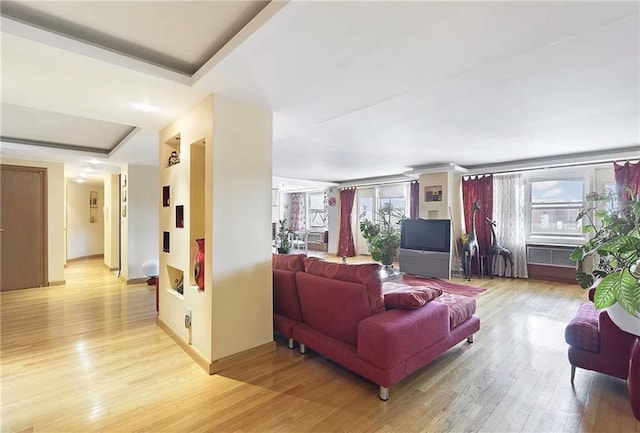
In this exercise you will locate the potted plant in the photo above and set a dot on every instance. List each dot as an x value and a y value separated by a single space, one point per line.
283 242
382 236
615 247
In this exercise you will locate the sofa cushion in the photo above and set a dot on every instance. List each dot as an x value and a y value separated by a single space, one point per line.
582 332
460 307
285 295
403 296
405 300
288 262
333 307
410 299
366 274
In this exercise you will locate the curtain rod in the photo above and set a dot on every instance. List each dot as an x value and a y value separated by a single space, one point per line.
382 183
540 168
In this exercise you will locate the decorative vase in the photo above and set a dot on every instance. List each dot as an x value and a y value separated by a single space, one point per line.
198 264
387 257
624 320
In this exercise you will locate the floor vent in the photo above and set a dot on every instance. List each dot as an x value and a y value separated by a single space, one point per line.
550 256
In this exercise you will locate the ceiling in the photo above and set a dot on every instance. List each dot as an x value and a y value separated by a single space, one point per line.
358 89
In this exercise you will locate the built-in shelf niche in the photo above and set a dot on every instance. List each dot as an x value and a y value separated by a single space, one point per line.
166 195
176 279
196 193
433 193
180 216
172 151
165 241
93 207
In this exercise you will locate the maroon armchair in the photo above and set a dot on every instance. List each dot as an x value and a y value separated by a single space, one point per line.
596 343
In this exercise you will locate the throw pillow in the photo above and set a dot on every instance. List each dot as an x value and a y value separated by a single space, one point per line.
410 299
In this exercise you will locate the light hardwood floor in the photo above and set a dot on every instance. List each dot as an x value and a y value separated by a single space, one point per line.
88 356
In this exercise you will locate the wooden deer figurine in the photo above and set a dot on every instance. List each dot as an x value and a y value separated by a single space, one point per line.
470 247
498 250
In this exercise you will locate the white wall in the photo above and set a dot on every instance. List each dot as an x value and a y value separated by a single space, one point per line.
111 213
84 238
142 220
55 215
124 225
333 220
234 311
237 223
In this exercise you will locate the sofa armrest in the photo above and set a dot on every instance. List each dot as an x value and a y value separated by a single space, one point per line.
388 338
614 342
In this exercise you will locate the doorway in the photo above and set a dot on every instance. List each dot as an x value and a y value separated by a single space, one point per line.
23 227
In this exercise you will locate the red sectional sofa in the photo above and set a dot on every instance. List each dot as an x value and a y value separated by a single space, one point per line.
338 310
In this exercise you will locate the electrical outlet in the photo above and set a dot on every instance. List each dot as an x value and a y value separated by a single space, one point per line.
187 319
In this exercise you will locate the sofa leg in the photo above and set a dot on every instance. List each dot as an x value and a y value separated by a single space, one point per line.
384 393
573 373
470 339
290 343
303 349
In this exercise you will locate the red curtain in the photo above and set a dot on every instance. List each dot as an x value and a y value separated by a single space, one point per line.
479 189
627 174
414 200
346 247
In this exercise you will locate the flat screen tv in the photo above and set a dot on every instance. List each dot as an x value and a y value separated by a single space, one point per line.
426 235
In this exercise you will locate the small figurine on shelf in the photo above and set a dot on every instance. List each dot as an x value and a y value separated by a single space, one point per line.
174 158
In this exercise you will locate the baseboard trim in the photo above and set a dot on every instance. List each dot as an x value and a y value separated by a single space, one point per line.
237 358
137 280
132 280
92 256
57 283
213 367
194 353
110 268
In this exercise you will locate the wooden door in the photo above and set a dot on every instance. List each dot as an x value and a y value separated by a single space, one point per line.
22 227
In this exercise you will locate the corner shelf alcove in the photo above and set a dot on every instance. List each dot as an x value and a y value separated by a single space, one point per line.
176 280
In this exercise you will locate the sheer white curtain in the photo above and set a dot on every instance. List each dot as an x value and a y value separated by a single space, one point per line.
298 212
509 214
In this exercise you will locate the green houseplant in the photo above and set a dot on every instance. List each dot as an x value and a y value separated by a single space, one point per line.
283 241
382 236
614 225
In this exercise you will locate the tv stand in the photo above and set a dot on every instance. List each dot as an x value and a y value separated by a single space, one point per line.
425 263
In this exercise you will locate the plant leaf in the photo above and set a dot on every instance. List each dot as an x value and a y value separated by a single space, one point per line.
607 291
577 254
593 196
585 280
629 293
621 244
588 228
601 213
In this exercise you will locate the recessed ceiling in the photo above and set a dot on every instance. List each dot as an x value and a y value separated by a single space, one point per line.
176 35
358 89
31 126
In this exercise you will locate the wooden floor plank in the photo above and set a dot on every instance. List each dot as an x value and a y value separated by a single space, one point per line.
88 356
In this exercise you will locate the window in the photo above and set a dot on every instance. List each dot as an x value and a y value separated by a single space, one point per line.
613 205
554 206
317 210
396 195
